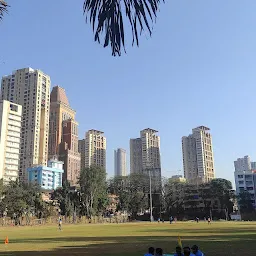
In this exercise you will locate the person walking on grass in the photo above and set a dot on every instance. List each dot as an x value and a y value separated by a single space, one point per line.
196 250
151 251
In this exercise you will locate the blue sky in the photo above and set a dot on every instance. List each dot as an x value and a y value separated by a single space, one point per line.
197 69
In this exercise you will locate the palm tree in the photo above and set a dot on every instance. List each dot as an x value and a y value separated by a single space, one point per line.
3 8
106 17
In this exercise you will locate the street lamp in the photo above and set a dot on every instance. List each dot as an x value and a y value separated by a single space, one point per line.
150 197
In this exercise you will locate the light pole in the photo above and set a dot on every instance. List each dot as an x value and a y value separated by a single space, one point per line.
150 197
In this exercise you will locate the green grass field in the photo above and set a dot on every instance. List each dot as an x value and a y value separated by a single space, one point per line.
220 238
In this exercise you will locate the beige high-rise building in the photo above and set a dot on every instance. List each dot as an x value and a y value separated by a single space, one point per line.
31 89
95 148
145 153
60 111
198 161
81 149
10 129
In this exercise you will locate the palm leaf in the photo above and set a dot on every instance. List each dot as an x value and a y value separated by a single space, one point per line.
3 8
107 20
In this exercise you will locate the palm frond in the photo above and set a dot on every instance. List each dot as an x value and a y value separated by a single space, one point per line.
106 18
3 8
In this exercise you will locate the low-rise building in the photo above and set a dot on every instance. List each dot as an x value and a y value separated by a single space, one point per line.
47 177
246 181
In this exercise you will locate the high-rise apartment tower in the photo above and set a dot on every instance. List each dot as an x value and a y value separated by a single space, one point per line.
145 153
31 89
81 149
60 111
95 149
120 162
243 164
10 128
198 162
68 151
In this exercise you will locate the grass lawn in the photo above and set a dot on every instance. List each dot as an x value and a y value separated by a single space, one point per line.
217 239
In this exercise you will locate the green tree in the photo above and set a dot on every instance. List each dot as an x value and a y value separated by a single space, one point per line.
173 197
93 190
245 202
21 198
64 198
119 186
221 189
132 192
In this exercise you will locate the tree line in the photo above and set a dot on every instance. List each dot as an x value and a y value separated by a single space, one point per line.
91 197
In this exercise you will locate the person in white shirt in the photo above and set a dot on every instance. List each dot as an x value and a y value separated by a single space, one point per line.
151 251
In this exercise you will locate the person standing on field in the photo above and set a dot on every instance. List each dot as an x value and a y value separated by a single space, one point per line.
60 223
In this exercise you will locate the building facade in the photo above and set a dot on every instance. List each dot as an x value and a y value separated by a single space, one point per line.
68 151
95 149
81 149
47 177
245 177
246 181
243 164
120 162
145 155
253 165
198 160
31 89
10 131
177 178
135 155
60 111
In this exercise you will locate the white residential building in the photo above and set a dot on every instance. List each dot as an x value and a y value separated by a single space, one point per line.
243 164
245 177
95 149
246 180
120 162
31 89
198 161
10 129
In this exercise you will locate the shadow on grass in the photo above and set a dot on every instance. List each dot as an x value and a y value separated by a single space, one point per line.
136 246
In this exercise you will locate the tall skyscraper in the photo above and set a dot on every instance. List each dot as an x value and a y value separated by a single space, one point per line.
95 149
243 164
198 162
120 162
81 149
145 153
63 135
135 155
68 151
31 89
60 111
10 129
